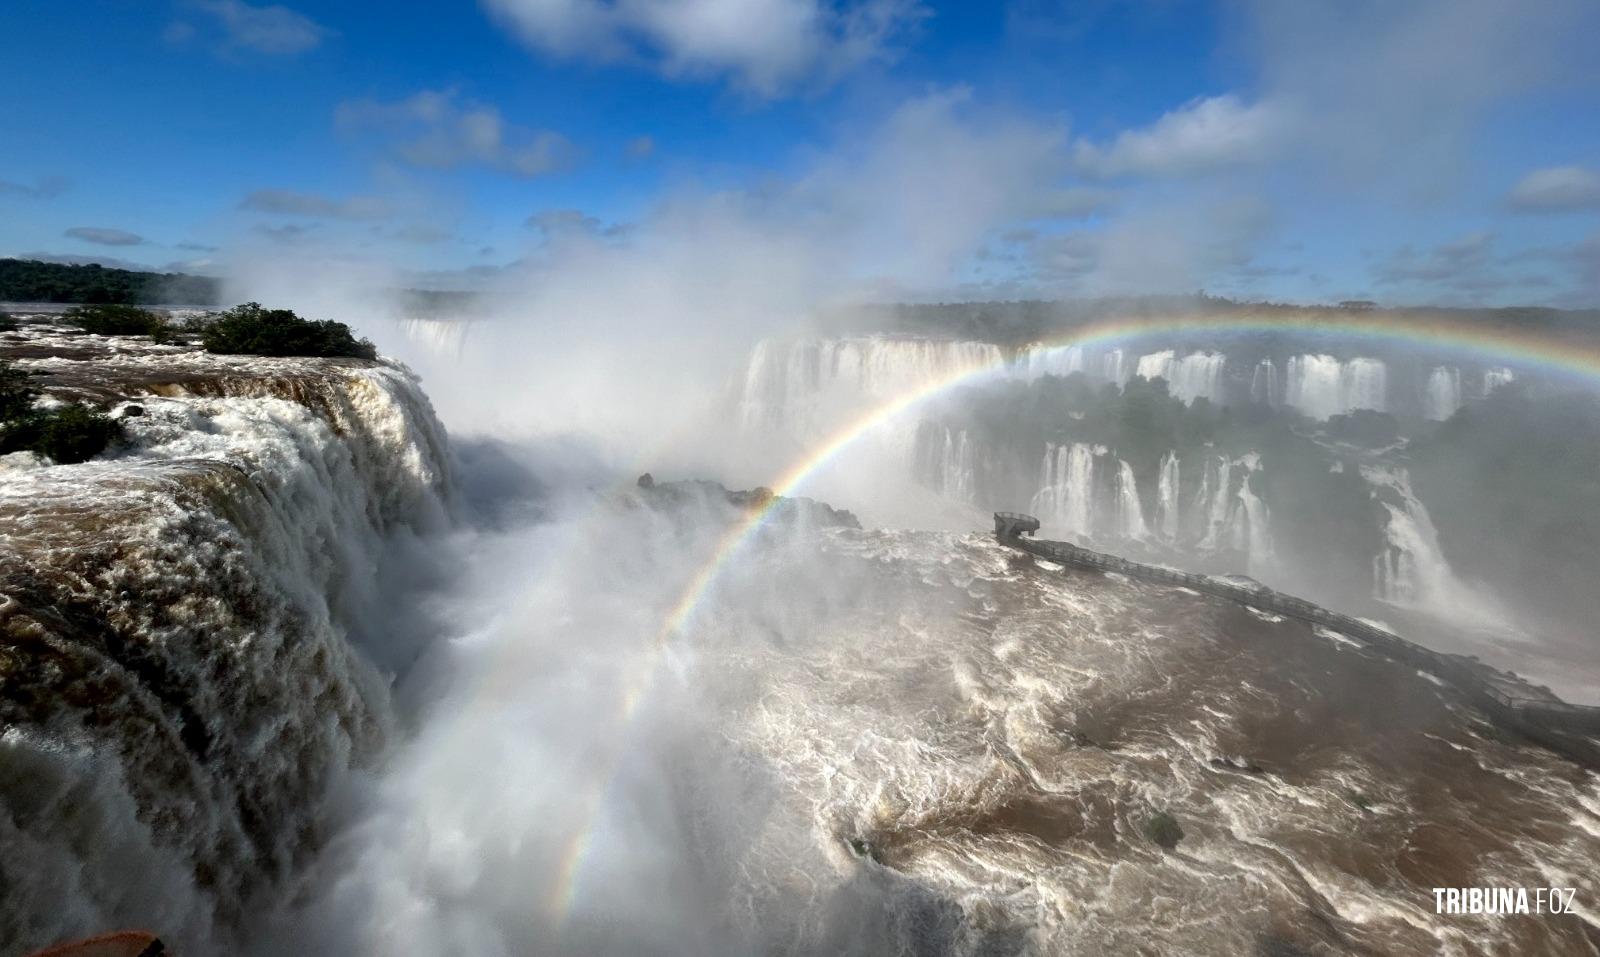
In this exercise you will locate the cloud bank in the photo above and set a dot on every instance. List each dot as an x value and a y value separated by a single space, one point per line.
765 47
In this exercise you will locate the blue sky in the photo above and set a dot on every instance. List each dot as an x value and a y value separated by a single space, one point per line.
1432 151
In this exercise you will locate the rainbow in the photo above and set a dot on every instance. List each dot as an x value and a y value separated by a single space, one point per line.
1498 344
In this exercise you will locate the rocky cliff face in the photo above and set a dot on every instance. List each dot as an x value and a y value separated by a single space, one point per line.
177 681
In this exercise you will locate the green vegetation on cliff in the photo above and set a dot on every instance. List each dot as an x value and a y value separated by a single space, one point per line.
64 434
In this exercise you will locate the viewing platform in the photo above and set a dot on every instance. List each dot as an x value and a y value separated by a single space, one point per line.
1506 699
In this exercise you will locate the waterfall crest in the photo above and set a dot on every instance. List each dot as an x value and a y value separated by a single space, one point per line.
1322 387
187 686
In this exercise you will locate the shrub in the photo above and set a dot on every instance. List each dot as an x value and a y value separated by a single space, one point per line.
251 330
115 320
66 434
16 396
1163 830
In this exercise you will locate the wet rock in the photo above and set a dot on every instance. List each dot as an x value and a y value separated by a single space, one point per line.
863 848
1237 764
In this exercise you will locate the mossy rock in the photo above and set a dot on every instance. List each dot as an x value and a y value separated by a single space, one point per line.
1163 830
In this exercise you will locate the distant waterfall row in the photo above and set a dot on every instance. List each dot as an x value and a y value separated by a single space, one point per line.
1087 492
805 386
1318 385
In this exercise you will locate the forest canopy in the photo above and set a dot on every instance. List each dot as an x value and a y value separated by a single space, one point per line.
29 280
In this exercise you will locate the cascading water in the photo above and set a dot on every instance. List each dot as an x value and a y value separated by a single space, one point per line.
1441 398
440 337
1495 378
804 386
1168 513
1116 366
1412 570
1264 388
945 462
1321 386
1066 493
191 611
1198 375
1130 512
1230 513
1038 360
1248 521
1211 501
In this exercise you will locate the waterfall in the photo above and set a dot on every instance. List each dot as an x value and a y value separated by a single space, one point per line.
1115 367
1233 517
1495 378
1130 513
1157 365
1412 570
1066 489
1211 502
191 610
945 462
1321 386
1264 383
1167 513
1442 396
1248 521
440 337
1195 376
805 386
1039 360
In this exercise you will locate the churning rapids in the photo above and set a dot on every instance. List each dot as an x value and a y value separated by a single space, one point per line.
223 718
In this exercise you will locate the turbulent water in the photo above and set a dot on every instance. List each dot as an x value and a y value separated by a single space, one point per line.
615 736
180 680
998 735
878 742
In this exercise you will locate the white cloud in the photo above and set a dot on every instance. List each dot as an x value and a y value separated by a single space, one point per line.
272 29
766 47
104 236
1558 189
285 202
1396 93
1201 136
438 130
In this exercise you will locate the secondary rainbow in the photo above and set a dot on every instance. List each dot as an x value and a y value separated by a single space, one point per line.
1499 343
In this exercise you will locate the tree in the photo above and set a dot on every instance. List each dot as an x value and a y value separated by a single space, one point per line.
250 329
